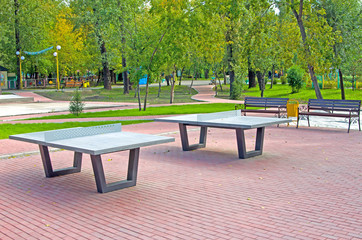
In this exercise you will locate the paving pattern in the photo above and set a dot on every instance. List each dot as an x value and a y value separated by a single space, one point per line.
306 185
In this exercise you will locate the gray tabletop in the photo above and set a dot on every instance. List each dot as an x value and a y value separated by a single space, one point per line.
92 143
229 119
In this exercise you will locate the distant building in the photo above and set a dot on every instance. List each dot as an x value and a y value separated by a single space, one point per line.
3 77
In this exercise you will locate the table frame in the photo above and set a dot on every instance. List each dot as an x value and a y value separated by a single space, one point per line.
240 138
102 186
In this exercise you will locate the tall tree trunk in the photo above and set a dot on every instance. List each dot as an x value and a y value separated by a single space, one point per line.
149 69
125 78
207 73
99 76
272 78
167 77
139 96
261 82
230 58
251 76
192 83
224 73
146 94
341 84
112 76
159 88
306 47
182 73
107 84
17 42
172 88
218 80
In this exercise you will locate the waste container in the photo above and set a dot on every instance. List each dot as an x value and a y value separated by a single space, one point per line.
292 108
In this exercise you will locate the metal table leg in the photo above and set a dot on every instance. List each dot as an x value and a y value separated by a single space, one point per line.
49 172
99 176
240 138
185 140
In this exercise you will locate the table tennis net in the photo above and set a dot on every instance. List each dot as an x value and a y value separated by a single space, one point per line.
218 115
82 132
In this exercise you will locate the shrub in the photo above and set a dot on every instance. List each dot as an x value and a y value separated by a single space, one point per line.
330 84
295 78
236 89
283 79
76 105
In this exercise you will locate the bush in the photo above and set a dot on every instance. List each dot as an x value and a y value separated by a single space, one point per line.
283 79
76 105
295 78
330 84
236 89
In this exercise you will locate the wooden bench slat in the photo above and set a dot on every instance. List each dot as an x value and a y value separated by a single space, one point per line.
270 105
333 108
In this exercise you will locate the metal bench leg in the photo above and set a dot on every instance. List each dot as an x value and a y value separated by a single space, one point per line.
308 121
99 176
49 172
185 140
298 121
259 143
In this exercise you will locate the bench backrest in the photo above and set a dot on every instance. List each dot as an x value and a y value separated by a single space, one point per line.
265 102
334 105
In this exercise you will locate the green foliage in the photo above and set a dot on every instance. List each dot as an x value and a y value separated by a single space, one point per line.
295 78
7 129
76 105
152 111
283 79
236 89
182 95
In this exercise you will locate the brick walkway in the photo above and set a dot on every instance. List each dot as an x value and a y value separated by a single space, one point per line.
306 185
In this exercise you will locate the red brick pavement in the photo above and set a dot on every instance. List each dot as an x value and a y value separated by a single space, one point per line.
306 185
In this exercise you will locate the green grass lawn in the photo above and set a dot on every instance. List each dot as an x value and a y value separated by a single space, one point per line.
284 91
151 111
7 129
182 94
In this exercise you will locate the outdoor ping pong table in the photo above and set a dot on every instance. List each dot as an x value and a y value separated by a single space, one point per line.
228 120
94 141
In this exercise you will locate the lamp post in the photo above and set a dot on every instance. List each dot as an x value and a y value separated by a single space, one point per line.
21 58
56 55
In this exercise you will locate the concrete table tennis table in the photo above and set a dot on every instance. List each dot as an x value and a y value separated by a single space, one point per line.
94 141
228 120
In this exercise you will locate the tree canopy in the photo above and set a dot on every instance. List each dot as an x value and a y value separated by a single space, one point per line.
160 38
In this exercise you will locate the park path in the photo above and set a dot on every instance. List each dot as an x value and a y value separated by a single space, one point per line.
37 97
206 94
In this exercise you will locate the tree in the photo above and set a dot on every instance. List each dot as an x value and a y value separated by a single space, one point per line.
299 17
24 25
345 20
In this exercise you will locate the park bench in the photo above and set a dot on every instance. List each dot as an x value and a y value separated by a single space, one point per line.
268 105
73 83
349 109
